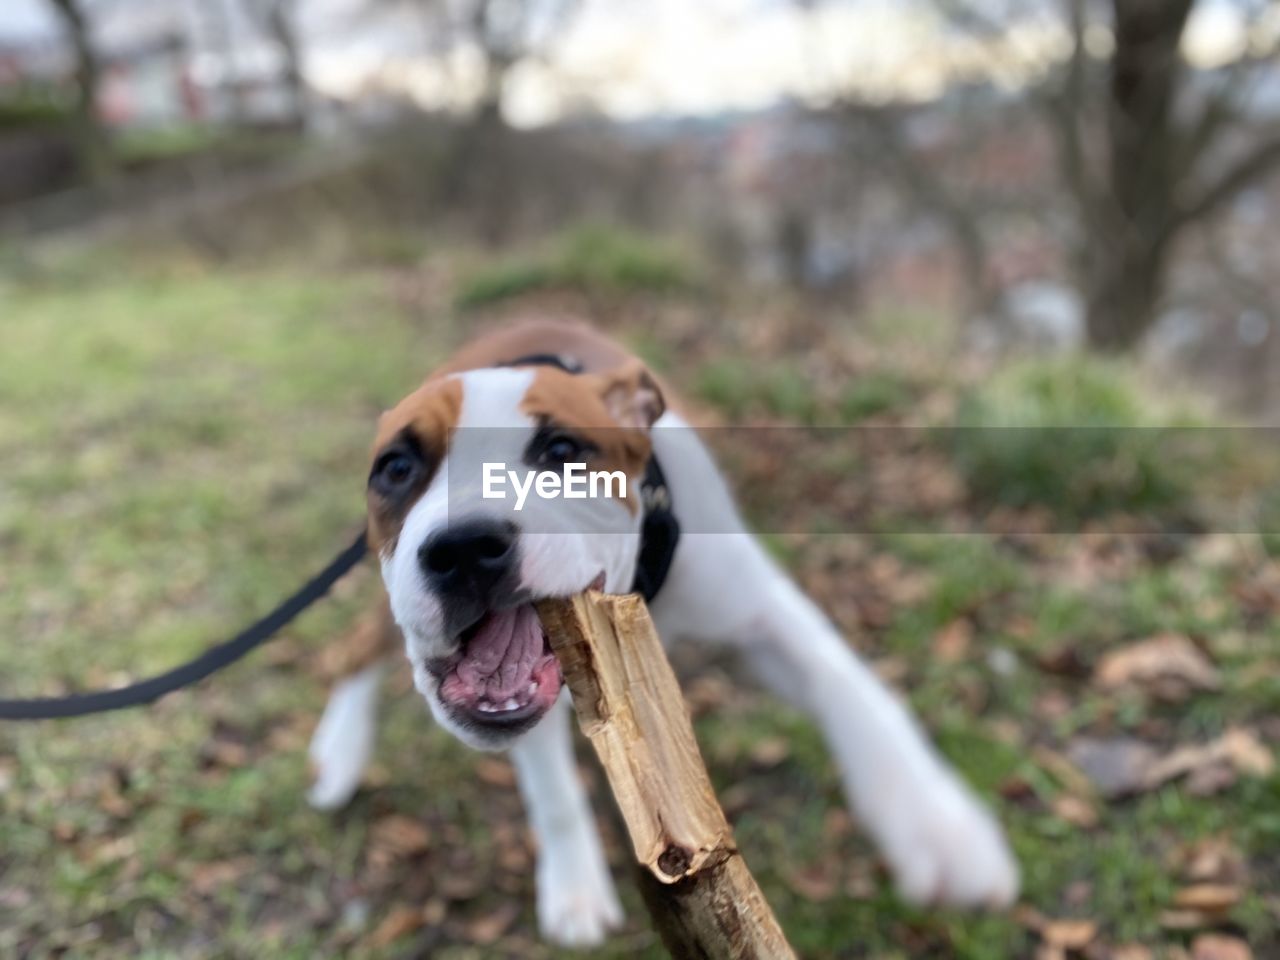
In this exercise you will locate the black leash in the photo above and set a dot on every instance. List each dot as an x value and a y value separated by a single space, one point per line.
213 659
659 536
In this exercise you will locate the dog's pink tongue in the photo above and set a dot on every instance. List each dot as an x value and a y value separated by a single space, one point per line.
501 655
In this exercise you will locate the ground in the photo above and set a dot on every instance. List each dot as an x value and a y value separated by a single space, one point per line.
183 444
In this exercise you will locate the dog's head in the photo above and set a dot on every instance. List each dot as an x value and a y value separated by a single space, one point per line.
463 568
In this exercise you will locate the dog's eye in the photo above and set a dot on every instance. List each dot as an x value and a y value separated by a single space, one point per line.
561 449
393 473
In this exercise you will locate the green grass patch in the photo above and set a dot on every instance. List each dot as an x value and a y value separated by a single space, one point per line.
1075 436
35 107
593 259
743 389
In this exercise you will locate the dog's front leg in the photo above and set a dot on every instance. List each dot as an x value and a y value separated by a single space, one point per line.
941 843
577 903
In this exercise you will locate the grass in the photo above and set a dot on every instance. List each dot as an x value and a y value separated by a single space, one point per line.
183 446
593 259
1076 437
743 390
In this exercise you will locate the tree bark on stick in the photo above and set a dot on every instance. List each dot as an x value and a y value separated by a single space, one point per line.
703 899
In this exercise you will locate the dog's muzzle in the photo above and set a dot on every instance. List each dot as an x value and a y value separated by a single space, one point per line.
473 567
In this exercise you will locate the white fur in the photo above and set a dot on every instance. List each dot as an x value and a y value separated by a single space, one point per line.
940 842
577 903
343 742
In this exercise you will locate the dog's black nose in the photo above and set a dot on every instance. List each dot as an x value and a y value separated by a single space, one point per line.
470 557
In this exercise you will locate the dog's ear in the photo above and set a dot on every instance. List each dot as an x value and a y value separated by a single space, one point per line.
632 396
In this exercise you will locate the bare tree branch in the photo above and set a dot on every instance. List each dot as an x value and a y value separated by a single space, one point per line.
1066 110
1222 109
1240 175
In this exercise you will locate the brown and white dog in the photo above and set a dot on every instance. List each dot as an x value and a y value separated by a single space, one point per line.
461 571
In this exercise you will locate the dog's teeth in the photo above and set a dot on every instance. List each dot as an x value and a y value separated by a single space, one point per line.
486 707
510 704
533 688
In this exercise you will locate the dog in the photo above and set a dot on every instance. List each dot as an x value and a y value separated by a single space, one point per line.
462 570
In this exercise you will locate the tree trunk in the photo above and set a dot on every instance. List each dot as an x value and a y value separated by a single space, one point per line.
794 238
1124 288
1127 250
283 29
95 158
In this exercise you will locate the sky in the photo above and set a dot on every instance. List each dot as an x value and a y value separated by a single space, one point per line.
630 58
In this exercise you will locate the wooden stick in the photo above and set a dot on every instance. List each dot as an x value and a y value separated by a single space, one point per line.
702 897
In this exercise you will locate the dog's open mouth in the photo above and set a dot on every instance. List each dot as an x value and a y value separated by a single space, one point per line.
505 674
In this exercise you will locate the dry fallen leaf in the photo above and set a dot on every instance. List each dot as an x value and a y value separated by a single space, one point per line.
458 886
770 751
816 883
434 911
1063 770
496 772
205 878
707 692
1168 665
487 929
1213 860
1211 778
1123 766
1238 747
1247 753
1186 920
1062 661
894 671
1207 897
1075 811
399 922
397 837
1130 951
111 800
1217 946
1069 934
952 642
224 753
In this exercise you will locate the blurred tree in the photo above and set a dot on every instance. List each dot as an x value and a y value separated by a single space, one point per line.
880 137
1147 147
218 25
501 33
95 156
278 19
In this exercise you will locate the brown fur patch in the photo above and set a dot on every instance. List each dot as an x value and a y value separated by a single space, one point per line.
576 403
571 340
430 414
373 638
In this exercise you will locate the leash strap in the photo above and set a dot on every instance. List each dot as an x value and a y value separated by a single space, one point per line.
660 530
213 659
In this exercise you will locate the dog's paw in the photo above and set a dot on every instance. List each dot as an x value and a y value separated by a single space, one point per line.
343 744
337 765
945 848
578 911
